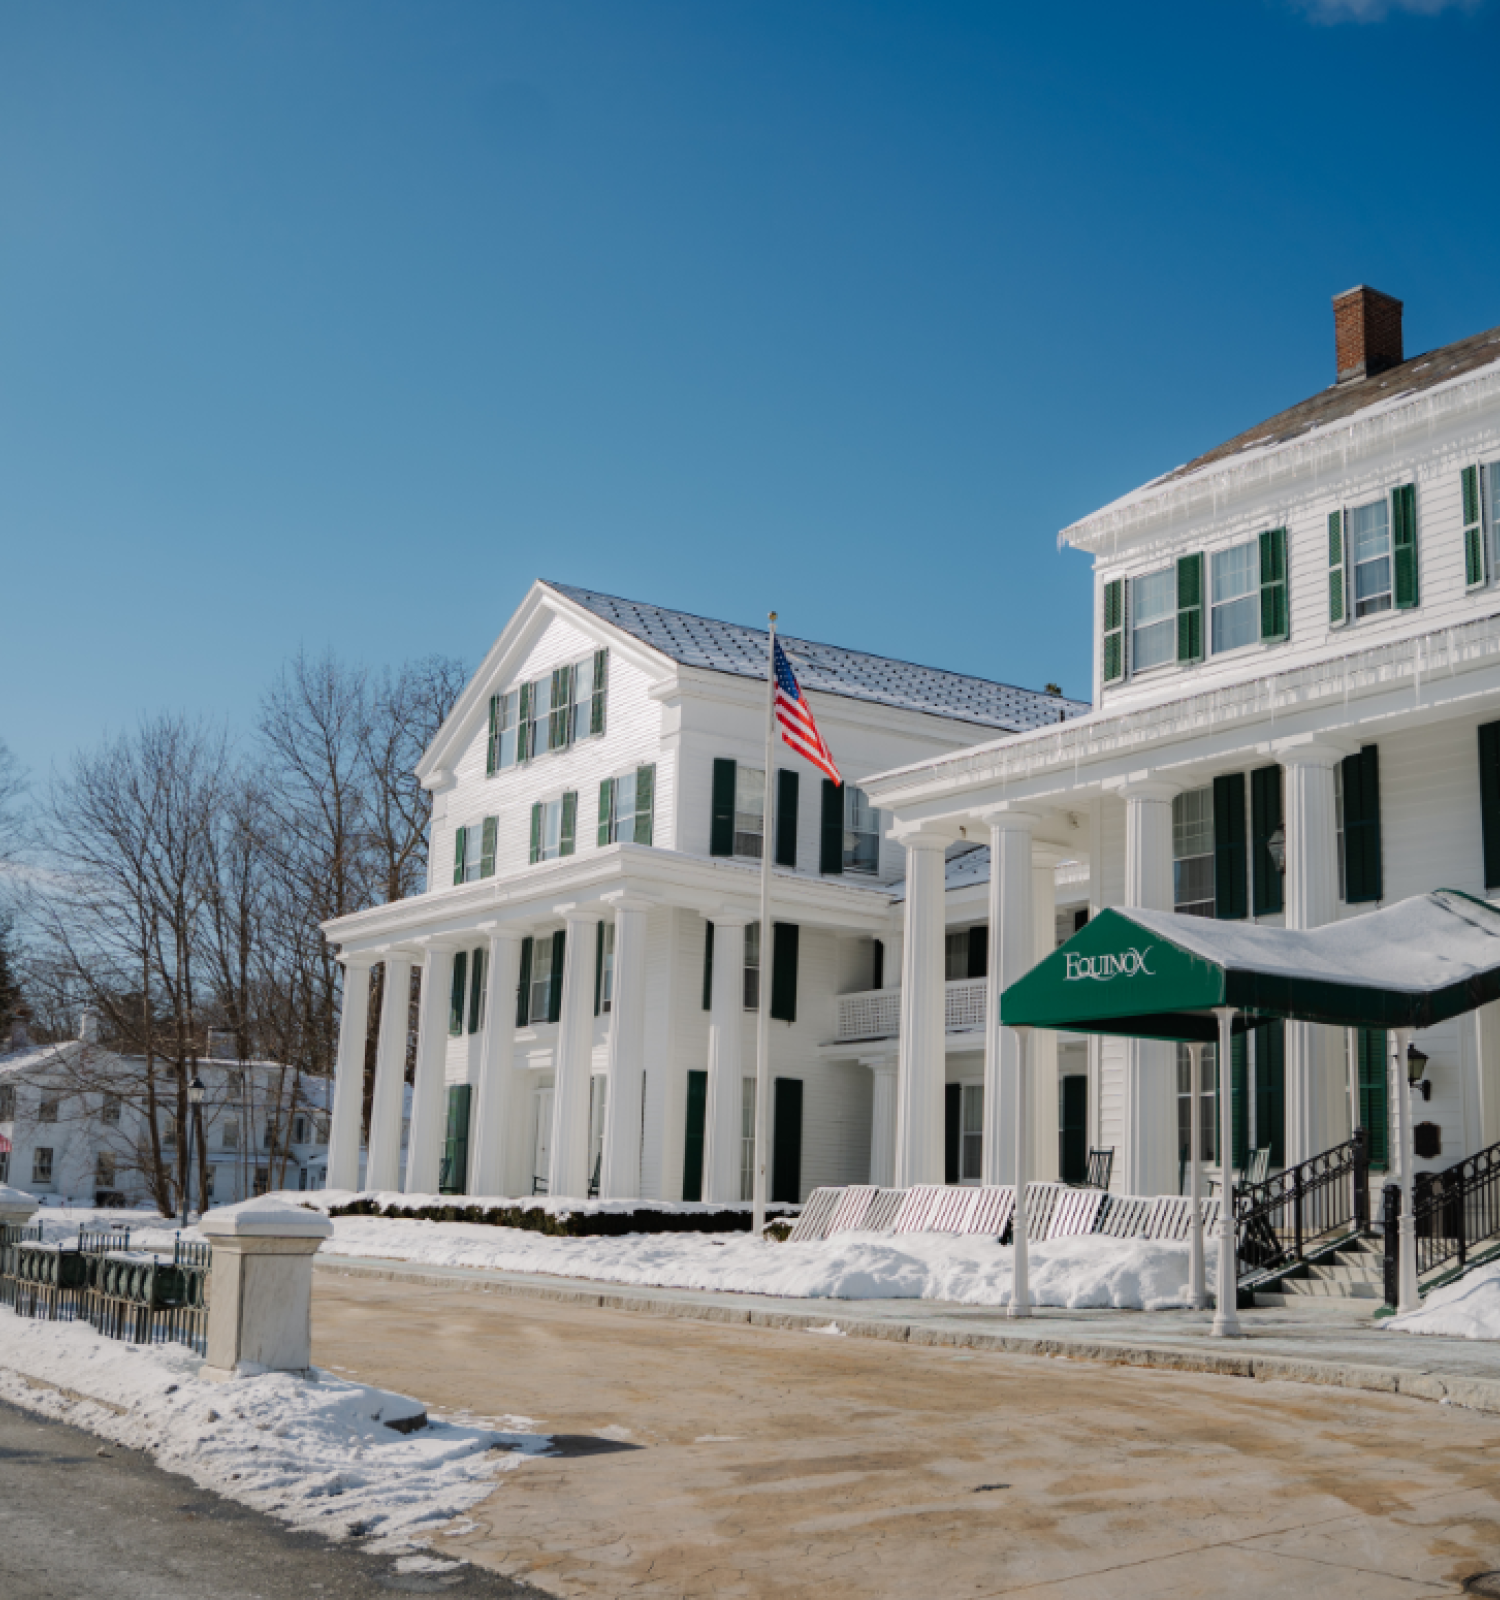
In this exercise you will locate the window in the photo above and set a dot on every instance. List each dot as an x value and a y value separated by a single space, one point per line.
109 1111
747 1138
300 1130
262 1181
505 717
554 827
1236 597
104 1170
626 807
41 1165
229 1134
956 954
752 966
607 969
539 716
46 1110
562 708
582 677
971 1133
861 832
234 1085
1153 628
1193 853
541 980
1208 1100
749 812
1370 555
474 850
169 1133
7 1102
208 1182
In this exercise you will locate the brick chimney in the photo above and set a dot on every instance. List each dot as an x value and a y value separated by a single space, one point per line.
1366 333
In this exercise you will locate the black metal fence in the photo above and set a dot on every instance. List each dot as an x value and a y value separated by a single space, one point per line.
137 1295
1452 1211
1309 1205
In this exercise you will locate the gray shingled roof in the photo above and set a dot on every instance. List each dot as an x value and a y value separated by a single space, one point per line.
827 668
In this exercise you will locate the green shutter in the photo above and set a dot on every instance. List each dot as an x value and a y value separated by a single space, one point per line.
783 970
487 847
645 803
708 966
560 712
953 1107
454 1172
1114 630
1275 614
1265 819
569 823
554 992
536 832
1474 551
786 1141
523 724
523 987
1337 611
492 749
1190 608
692 1136
459 840
831 834
1489 800
1363 875
1270 1091
601 682
786 818
476 989
606 808
456 994
1229 846
1375 1095
721 824
598 967
1239 1102
1404 544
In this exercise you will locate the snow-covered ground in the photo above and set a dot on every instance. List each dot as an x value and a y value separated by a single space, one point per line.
1468 1309
315 1454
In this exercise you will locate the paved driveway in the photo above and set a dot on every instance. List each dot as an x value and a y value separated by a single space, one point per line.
794 1464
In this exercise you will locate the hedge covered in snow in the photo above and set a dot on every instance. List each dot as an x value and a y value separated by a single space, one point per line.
571 1219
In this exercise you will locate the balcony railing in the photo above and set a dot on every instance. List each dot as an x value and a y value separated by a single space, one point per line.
876 1013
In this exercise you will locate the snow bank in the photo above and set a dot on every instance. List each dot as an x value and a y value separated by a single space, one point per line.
1134 1274
314 1454
1468 1309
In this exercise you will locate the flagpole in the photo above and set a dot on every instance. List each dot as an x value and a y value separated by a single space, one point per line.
763 1006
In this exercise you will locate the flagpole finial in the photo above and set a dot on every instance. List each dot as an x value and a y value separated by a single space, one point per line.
771 615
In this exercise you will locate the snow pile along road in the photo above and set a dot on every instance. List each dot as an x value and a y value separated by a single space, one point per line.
1468 1309
316 1454
1126 1274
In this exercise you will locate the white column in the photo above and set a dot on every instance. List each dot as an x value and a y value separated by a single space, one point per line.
1044 1165
919 1087
497 1102
349 1080
575 1051
424 1149
1408 1295
883 1123
1012 953
1226 1296
726 1027
1020 1286
383 1167
1150 1154
1314 1083
620 1172
1197 1288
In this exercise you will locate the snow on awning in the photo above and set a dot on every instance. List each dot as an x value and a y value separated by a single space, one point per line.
1159 975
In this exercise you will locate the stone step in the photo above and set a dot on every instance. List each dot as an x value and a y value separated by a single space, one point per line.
1332 1304
1364 1269
1332 1289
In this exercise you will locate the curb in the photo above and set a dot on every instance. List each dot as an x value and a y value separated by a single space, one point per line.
1475 1394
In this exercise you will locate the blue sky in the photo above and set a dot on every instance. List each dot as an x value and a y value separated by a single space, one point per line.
335 325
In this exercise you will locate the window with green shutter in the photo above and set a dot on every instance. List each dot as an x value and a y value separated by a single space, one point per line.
1375 1095
1114 630
598 966
708 965
559 715
1360 781
1275 611
600 691
786 817
569 823
692 1135
1230 897
523 985
492 748
476 989
554 994
1404 544
523 725
785 939
1337 608
1474 552
1190 608
645 804
1489 800
831 832
489 838
536 833
1265 819
456 994
721 823
459 840
606 812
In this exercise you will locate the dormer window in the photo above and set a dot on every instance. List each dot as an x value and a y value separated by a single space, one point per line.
1153 631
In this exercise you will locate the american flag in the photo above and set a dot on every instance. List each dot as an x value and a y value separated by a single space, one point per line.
798 728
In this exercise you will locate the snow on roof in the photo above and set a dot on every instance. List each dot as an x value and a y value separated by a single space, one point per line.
829 669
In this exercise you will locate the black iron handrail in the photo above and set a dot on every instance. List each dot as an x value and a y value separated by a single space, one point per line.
1452 1211
1303 1207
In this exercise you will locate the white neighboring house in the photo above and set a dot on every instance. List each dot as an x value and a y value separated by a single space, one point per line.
1297 647
589 941
74 1128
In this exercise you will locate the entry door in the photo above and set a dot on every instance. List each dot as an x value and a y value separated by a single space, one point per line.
541 1159
1073 1134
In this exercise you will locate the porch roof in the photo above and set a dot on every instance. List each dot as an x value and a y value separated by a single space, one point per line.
1160 975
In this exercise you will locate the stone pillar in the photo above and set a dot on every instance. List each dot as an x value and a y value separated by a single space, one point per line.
1042 1085
883 1123
1314 1084
1012 953
921 1070
496 1101
260 1287
383 1167
349 1076
726 1026
424 1149
575 1056
620 1171
1150 1154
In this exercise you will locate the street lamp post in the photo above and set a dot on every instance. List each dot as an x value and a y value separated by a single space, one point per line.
195 1094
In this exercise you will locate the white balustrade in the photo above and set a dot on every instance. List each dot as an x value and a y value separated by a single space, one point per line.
876 1013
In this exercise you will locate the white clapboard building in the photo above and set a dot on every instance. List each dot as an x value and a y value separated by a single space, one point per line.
1297 720
588 941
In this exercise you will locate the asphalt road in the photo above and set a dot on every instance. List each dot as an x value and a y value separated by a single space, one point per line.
80 1519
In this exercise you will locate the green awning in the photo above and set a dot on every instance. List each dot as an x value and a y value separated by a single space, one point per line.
1159 975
